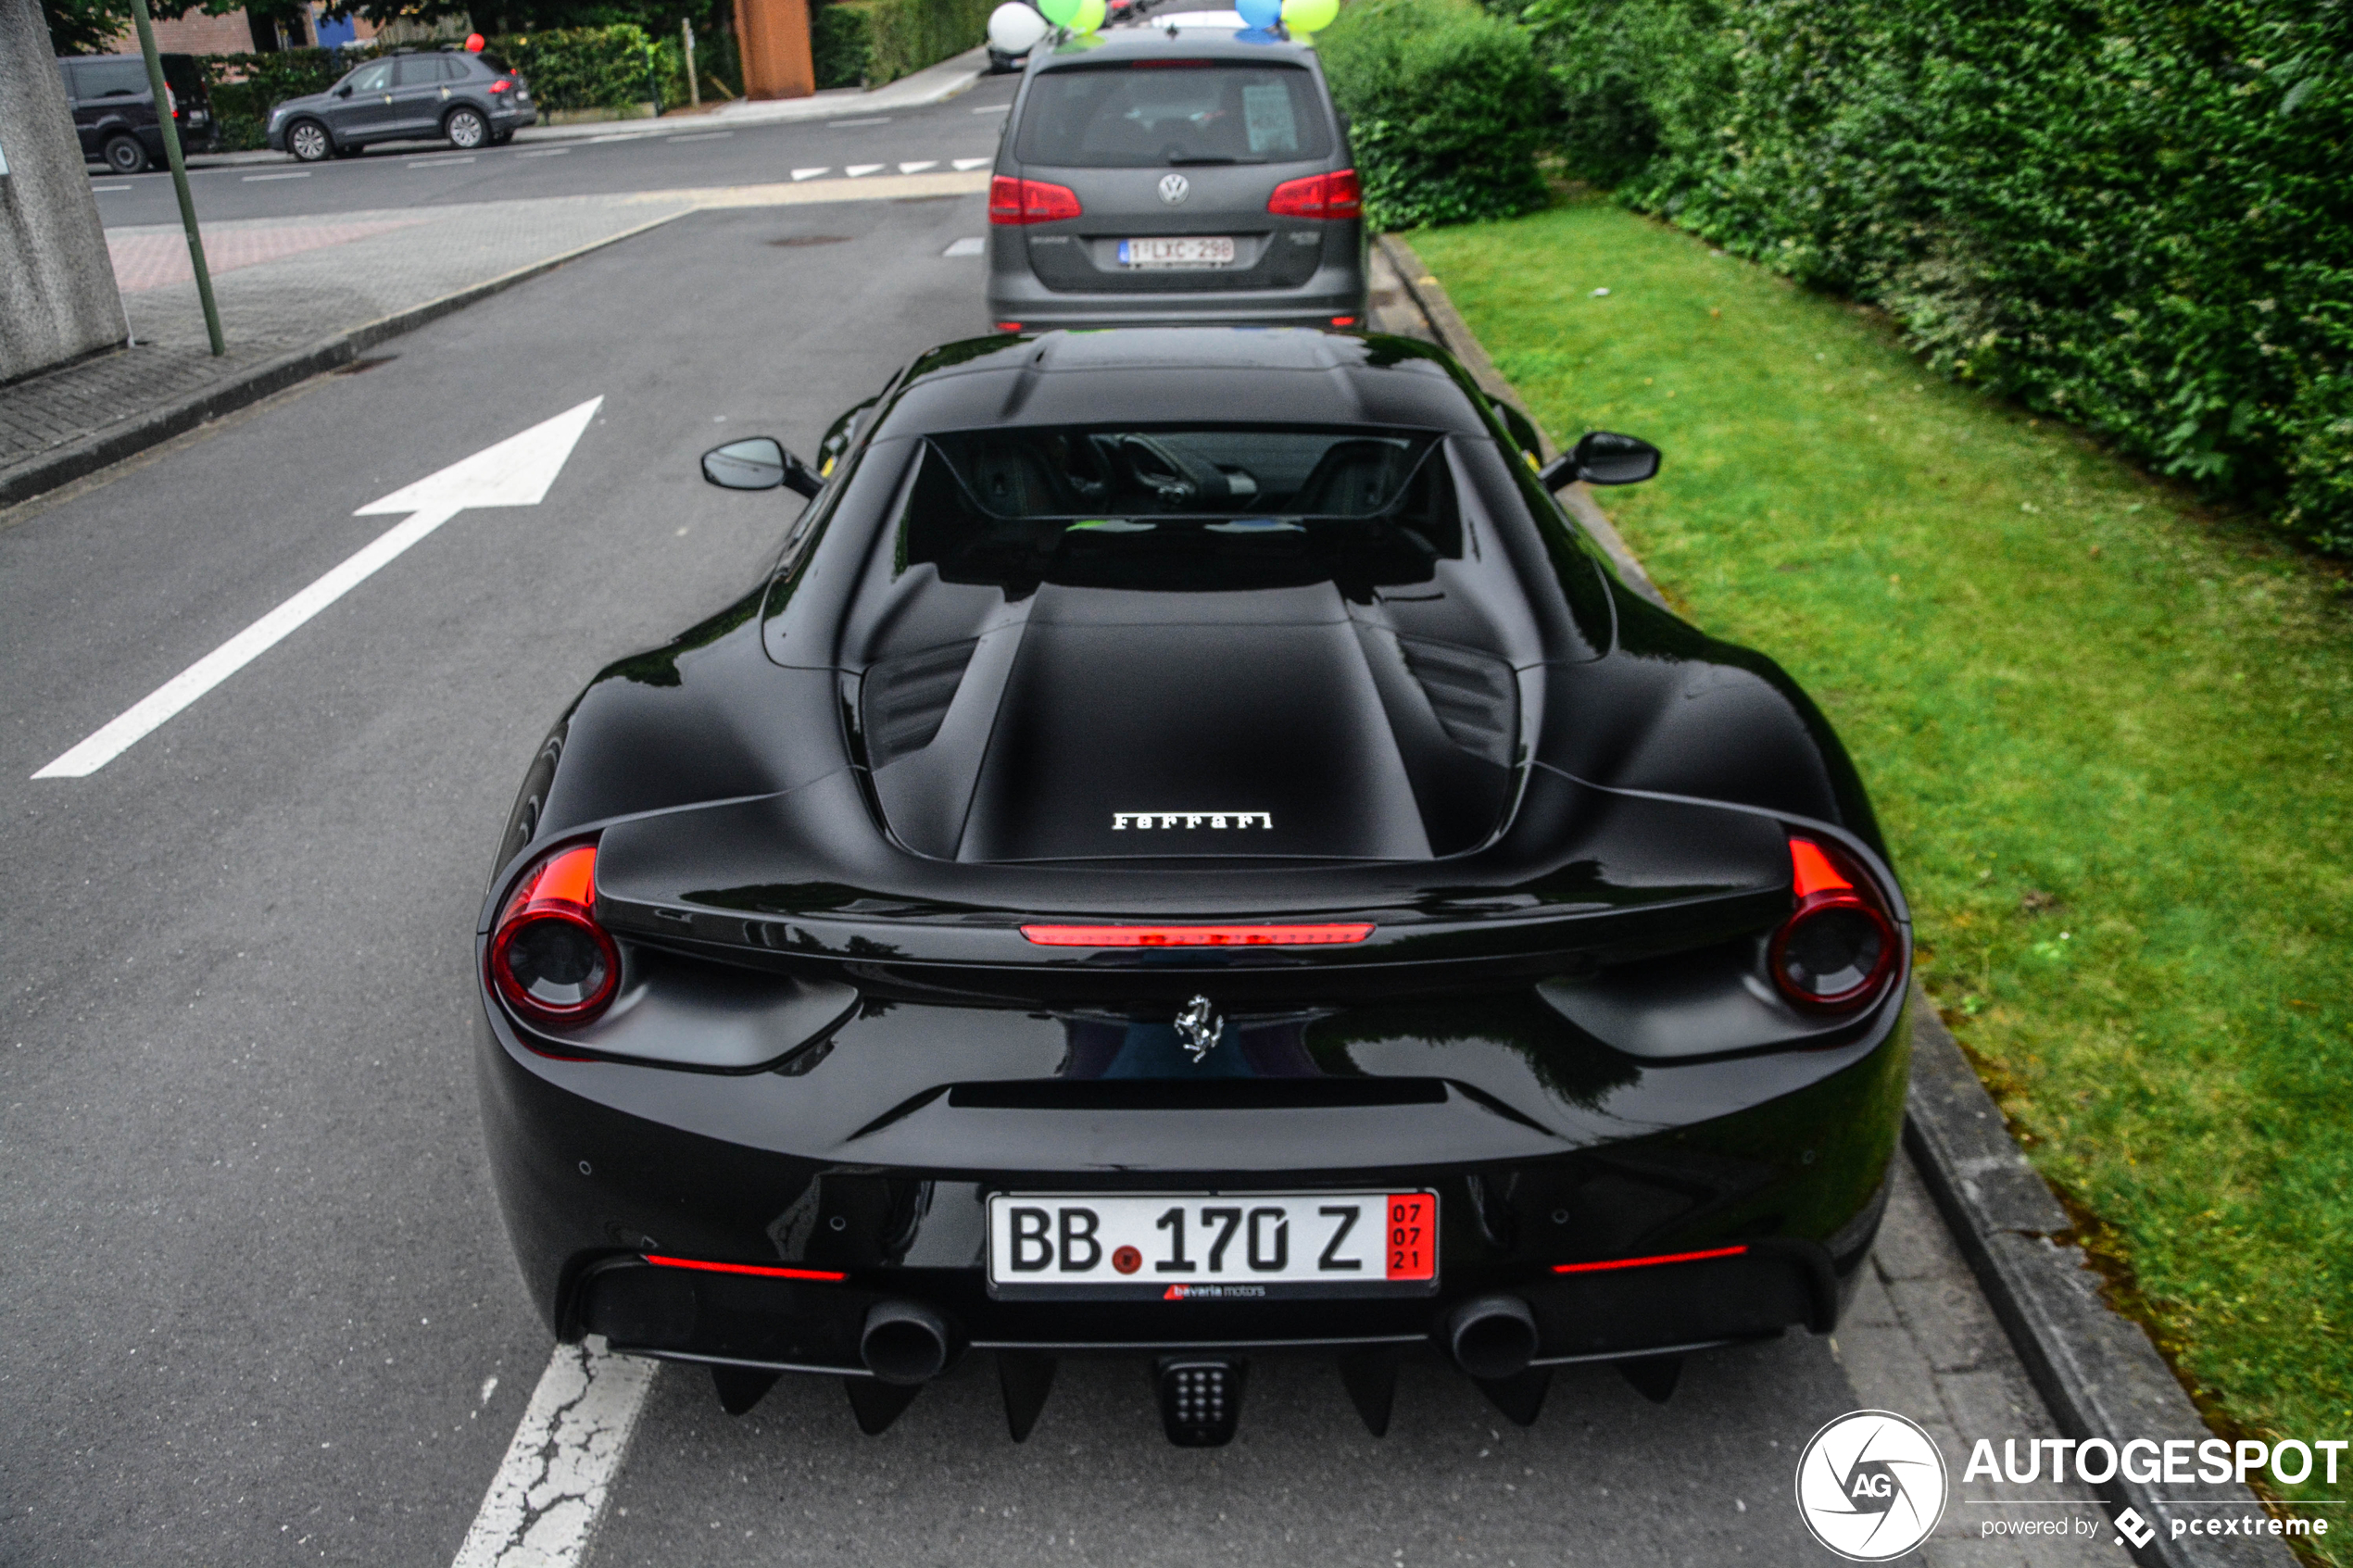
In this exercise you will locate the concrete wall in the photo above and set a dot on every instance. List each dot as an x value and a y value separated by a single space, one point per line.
57 298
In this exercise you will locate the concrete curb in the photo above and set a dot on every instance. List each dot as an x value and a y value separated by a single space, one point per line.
62 465
2097 1370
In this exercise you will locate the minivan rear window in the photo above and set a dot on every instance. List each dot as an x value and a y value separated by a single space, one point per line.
1172 112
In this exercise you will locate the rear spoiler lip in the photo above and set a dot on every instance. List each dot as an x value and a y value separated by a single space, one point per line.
1401 940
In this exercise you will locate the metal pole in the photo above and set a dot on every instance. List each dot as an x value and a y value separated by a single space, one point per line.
164 114
686 31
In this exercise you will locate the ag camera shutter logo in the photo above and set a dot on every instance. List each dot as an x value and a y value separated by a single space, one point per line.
1871 1485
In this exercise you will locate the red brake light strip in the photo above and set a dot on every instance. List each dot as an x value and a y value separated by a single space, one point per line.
1813 870
1196 935
765 1271
1647 1263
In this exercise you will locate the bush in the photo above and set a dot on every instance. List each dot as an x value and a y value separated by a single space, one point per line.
878 40
840 42
585 68
717 64
2128 213
1447 110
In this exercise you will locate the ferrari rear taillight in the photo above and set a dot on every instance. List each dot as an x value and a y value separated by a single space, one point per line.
1029 201
1836 949
1319 195
1196 935
549 960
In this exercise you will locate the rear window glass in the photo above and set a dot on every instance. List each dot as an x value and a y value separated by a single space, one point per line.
112 79
1182 508
495 62
1140 117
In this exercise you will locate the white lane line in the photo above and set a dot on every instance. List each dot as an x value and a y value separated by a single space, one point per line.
965 165
966 247
700 136
841 124
297 174
918 167
544 152
994 108
514 473
859 171
800 174
551 1490
439 162
110 187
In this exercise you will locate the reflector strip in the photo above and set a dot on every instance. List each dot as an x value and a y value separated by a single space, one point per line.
1646 1262
1196 935
762 1270
1814 870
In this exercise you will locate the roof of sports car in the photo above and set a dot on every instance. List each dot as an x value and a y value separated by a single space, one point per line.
1250 375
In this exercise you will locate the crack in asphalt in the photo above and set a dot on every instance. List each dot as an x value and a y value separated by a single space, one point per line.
551 1492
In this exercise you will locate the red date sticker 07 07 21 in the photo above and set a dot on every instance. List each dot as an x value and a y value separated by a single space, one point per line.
1413 1235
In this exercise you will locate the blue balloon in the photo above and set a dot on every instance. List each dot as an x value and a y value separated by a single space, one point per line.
1260 13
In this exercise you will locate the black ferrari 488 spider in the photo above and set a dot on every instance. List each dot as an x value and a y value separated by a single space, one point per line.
1190 851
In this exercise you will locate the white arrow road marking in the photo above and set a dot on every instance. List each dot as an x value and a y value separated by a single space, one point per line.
807 173
966 247
965 165
551 1490
516 472
857 169
918 167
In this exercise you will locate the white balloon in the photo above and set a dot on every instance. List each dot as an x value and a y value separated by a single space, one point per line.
1014 28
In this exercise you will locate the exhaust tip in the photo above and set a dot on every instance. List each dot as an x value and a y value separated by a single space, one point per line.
1493 1337
904 1342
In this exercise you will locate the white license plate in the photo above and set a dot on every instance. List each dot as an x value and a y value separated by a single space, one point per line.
1196 1246
1200 250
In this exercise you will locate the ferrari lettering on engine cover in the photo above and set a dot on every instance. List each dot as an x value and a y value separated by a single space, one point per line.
1121 820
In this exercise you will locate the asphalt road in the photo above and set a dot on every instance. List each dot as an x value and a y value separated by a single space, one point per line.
258 1307
699 152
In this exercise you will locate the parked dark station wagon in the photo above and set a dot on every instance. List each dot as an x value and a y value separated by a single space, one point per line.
469 100
1172 174
114 108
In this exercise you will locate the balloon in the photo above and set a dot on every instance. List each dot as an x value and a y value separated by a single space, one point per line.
1090 17
1059 12
474 40
1309 15
1014 29
1260 13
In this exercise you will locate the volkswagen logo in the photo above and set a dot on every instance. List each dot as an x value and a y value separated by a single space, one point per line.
1174 189
1871 1485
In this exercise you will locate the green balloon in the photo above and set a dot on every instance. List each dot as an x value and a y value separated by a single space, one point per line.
1090 17
1059 12
1310 16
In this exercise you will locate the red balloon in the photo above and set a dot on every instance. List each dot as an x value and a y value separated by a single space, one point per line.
474 43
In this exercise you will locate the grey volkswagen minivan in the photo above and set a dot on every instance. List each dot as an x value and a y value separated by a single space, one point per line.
1164 174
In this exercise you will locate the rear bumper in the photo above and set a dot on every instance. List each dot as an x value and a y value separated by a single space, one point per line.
1332 292
601 1164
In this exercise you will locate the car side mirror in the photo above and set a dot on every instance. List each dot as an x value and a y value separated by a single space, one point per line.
1603 458
759 462
343 92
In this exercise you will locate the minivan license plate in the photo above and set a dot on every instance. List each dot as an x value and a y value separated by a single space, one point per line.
1196 250
1179 1247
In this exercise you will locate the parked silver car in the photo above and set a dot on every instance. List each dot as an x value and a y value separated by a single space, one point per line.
1165 173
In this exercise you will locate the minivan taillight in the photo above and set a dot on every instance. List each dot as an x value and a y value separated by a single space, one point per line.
1029 201
1319 195
549 960
1836 949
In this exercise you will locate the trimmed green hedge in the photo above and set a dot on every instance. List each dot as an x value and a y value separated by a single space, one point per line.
2131 214
872 42
1447 108
585 68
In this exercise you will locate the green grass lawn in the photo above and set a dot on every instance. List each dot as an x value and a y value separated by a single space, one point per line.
2107 731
